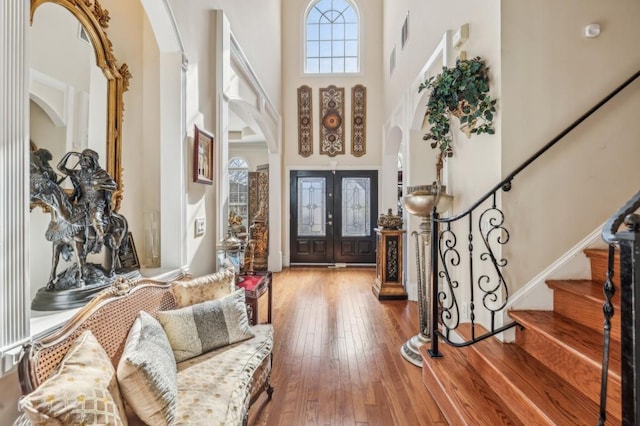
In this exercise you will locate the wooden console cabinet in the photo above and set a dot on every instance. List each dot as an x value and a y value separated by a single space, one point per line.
389 275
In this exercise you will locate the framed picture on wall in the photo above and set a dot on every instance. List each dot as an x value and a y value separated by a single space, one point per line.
202 156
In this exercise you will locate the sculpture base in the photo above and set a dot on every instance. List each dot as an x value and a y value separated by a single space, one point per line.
56 300
411 349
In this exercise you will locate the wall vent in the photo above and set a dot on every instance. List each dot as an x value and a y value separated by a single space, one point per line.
404 36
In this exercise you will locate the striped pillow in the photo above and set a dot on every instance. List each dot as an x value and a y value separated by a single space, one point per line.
200 328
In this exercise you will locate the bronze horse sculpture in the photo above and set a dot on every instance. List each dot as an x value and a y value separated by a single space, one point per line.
71 230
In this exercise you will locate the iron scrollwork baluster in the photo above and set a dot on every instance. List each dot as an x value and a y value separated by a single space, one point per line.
498 234
449 311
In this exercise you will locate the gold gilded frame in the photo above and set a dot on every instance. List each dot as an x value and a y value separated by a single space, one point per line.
95 19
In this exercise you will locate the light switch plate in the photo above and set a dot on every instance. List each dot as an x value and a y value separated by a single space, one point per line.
199 226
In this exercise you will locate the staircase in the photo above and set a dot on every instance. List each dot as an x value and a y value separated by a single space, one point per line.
549 376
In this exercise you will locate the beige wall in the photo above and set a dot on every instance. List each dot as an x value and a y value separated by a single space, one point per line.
293 77
545 73
551 75
370 76
475 166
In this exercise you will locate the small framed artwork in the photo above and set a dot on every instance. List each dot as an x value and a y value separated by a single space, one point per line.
127 258
202 156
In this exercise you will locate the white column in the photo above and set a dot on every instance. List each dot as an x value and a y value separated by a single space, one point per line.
14 175
173 196
275 214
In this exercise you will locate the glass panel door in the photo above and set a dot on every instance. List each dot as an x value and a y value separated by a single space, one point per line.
332 216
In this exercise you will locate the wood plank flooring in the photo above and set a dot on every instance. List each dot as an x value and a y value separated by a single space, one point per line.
337 354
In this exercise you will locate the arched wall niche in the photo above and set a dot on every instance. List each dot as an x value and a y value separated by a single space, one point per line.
172 86
249 96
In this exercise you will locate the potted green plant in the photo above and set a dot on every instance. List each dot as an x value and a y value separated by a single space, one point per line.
461 91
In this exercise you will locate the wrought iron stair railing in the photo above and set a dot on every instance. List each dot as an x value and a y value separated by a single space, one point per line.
488 286
628 242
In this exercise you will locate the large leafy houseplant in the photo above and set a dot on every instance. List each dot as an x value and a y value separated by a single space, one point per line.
461 91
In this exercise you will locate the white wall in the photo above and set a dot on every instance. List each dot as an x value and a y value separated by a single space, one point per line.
134 43
255 154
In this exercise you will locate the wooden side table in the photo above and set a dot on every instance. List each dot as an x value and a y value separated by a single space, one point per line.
258 294
389 283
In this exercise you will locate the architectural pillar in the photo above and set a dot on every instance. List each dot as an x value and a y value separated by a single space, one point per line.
14 175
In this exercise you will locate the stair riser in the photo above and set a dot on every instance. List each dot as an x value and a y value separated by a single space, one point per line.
439 394
520 405
599 264
461 394
584 311
574 369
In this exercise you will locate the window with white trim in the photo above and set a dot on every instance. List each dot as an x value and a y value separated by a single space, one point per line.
239 188
332 42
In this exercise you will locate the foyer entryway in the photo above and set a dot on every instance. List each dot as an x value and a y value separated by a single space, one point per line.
333 214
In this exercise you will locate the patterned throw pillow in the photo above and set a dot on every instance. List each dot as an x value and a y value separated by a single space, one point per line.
147 372
83 390
200 328
202 289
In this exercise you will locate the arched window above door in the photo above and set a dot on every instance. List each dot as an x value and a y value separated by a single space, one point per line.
332 38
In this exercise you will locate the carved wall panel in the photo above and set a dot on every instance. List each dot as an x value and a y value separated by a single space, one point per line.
305 121
358 120
332 121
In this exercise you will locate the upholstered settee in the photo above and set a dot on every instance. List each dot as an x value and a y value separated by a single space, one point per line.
147 352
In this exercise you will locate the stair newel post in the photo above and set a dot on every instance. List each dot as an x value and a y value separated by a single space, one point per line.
629 318
433 283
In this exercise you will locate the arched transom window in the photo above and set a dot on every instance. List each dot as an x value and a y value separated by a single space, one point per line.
239 188
332 41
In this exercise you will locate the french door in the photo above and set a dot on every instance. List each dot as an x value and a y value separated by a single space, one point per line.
333 214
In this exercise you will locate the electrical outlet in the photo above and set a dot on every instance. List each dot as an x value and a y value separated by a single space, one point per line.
199 226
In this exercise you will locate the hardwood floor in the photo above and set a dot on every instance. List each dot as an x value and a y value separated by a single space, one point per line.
337 354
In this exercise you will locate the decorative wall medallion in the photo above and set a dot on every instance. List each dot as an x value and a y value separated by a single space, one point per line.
331 122
359 117
305 128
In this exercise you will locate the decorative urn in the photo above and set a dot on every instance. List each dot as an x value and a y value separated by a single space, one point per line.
390 221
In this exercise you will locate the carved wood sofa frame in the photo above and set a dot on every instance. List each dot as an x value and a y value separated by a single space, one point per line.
109 316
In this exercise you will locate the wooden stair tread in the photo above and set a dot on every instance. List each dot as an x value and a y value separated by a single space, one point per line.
533 391
462 395
581 341
589 289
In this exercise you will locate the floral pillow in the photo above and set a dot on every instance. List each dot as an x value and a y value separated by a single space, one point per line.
200 328
83 390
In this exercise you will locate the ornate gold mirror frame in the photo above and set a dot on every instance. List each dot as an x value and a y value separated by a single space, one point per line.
95 20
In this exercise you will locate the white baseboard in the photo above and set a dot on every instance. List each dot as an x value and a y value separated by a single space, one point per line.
573 264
